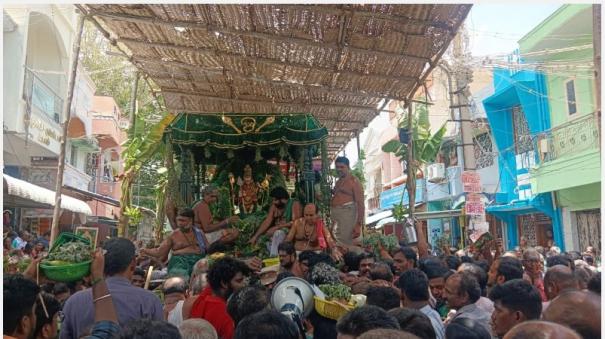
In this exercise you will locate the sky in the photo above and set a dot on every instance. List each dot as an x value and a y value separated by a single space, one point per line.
493 29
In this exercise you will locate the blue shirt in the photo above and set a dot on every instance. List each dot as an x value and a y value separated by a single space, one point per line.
104 329
435 321
130 302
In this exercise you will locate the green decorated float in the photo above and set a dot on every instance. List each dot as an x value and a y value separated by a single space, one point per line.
246 156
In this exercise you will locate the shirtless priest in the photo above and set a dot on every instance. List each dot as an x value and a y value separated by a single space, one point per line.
310 233
213 229
347 204
188 245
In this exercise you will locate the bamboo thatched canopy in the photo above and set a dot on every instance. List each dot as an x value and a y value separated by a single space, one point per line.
341 63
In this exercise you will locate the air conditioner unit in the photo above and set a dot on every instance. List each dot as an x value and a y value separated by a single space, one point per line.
435 172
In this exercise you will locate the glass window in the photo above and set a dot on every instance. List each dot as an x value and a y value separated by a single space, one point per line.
570 89
73 159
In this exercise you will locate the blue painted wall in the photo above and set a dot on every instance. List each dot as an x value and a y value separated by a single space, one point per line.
528 90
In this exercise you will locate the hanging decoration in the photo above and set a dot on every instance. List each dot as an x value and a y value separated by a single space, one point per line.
258 157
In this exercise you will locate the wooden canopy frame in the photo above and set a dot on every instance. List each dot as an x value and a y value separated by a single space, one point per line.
341 63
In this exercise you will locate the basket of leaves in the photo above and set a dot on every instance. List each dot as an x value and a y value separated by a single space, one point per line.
336 303
68 259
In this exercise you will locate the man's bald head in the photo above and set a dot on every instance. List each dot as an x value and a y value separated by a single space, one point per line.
557 279
174 285
541 330
531 254
579 310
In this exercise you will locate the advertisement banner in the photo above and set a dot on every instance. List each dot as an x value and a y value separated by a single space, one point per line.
471 182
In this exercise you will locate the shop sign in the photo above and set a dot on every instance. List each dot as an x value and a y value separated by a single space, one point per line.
37 213
392 197
44 133
474 205
45 177
471 182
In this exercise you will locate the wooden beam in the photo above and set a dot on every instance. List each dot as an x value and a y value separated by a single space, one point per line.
325 8
284 39
260 101
241 76
75 57
219 54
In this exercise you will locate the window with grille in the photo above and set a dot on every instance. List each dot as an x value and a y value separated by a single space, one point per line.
570 90
523 141
483 150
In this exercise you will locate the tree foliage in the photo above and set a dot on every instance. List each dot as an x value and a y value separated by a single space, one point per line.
426 144
114 75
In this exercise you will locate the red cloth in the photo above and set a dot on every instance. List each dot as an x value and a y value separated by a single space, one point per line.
321 238
538 282
214 310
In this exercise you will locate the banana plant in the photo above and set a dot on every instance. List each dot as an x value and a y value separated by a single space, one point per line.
138 150
425 145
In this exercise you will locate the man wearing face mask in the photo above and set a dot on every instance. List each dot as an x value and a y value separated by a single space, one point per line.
282 213
347 204
188 245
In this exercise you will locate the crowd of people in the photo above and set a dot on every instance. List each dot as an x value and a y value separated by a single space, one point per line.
409 294
196 292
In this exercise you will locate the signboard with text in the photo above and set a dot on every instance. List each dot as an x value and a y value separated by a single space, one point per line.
474 205
392 197
471 182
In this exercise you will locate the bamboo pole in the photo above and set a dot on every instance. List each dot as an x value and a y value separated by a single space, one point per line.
410 163
133 104
67 114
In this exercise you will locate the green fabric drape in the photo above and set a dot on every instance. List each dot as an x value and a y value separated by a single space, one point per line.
234 131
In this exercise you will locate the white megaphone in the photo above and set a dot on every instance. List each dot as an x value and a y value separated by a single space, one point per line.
293 297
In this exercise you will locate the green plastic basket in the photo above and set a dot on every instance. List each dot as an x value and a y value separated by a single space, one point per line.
67 273
71 272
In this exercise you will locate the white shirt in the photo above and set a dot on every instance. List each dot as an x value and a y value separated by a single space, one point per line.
175 317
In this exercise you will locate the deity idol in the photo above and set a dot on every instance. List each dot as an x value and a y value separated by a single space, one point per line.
248 192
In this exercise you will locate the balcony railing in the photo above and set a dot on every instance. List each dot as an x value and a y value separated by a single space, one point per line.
42 96
579 135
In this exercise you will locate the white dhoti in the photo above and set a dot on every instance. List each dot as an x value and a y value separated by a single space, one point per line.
344 218
278 237
213 236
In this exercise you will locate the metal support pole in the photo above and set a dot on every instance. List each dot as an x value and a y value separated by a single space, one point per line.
133 104
358 146
596 45
462 75
67 114
410 162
